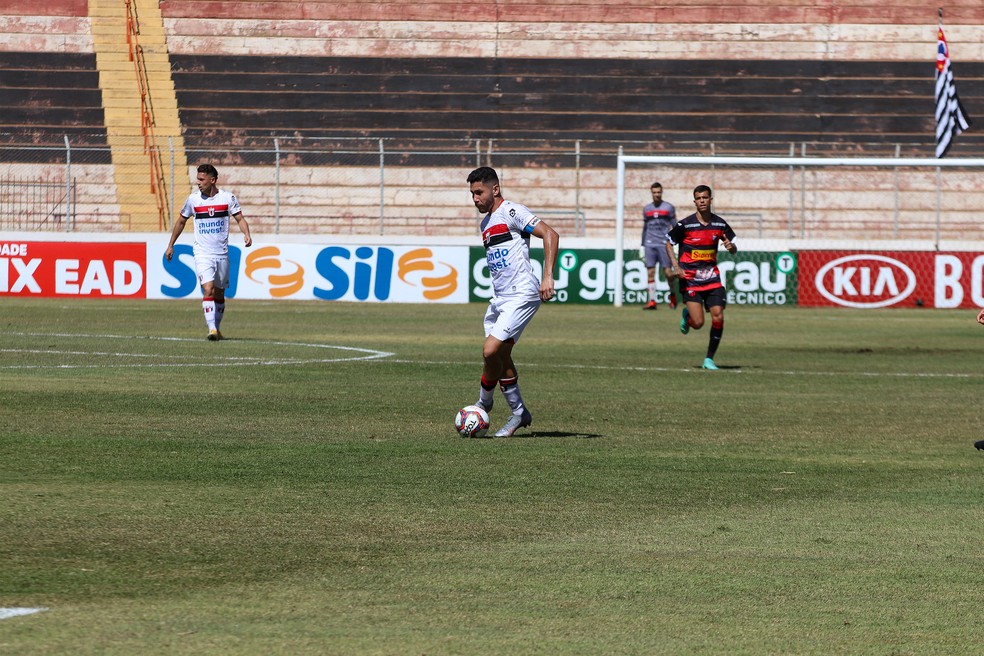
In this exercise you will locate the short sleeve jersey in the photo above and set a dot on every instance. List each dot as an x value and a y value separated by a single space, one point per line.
656 222
506 235
698 248
211 215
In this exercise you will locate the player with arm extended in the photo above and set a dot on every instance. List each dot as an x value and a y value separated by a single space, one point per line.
697 237
516 293
657 219
210 208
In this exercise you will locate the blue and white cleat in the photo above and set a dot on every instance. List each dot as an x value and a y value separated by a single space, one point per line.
514 423
709 365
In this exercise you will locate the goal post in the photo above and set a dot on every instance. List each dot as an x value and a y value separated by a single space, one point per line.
813 198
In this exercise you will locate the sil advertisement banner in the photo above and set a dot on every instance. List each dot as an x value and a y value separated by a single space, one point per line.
398 274
138 269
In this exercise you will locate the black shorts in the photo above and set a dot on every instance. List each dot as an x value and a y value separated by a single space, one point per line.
717 297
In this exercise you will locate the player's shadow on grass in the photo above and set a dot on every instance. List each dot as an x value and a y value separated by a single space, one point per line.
724 367
534 434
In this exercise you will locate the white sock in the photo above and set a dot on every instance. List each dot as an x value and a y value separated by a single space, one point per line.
208 307
652 291
485 395
510 390
219 313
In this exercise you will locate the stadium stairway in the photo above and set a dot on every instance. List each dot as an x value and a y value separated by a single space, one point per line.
121 91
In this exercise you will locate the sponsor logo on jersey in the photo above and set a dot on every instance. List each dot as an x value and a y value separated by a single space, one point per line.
703 255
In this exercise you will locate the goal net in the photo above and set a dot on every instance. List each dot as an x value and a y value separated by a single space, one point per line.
803 203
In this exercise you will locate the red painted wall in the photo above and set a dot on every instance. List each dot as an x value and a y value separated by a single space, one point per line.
46 8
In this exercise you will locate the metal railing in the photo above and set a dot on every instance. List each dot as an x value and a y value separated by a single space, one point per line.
33 205
388 186
158 185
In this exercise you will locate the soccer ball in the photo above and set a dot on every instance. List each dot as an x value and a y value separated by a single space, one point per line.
471 421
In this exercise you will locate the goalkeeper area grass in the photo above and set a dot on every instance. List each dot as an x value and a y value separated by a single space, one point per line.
300 488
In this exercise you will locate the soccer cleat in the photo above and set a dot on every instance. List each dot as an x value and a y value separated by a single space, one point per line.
709 365
979 445
651 305
213 335
221 336
685 322
514 423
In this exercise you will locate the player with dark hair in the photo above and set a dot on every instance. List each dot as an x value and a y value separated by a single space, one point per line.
516 293
657 218
211 208
697 237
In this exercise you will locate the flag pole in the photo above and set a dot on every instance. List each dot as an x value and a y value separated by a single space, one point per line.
939 173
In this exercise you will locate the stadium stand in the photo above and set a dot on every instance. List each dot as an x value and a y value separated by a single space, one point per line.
538 80
827 77
46 95
49 90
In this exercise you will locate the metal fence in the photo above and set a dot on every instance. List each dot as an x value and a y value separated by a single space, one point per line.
28 204
394 186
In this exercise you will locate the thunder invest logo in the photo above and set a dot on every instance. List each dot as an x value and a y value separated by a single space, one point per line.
415 264
286 278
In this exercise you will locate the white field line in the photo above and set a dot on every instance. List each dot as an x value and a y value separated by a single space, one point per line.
724 370
16 612
368 355
356 354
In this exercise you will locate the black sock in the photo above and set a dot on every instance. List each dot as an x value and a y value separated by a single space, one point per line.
712 344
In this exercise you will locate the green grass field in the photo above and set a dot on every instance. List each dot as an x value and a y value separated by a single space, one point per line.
275 494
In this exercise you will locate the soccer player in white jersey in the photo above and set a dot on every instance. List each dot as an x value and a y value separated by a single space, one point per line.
516 293
210 207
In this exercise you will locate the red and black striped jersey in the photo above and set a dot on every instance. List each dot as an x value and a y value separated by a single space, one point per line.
697 250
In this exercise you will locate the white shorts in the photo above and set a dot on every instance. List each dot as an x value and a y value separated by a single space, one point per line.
213 269
507 317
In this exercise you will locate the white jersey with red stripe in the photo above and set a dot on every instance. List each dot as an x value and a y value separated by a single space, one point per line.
211 215
506 235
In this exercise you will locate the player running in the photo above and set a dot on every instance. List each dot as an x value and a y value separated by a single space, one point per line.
516 293
698 237
211 208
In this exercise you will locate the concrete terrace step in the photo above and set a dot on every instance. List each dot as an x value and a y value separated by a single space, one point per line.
123 105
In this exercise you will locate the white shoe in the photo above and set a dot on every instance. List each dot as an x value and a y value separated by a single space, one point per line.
514 423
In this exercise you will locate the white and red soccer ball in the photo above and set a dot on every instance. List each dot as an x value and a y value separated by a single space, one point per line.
471 421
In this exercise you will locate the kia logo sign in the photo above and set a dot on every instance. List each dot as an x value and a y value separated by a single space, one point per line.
865 281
